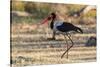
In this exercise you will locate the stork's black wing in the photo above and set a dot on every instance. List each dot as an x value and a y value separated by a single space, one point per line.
66 27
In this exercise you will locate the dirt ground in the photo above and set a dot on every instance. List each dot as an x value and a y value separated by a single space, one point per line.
33 48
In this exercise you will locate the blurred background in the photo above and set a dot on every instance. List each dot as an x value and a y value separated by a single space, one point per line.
28 13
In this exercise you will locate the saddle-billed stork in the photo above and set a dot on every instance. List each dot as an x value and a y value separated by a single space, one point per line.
63 27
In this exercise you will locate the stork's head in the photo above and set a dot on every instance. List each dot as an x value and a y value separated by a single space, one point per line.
52 16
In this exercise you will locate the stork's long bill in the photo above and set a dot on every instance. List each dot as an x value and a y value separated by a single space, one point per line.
46 20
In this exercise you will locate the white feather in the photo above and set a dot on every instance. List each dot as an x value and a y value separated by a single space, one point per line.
57 23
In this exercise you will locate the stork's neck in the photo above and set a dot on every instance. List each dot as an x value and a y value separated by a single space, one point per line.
52 23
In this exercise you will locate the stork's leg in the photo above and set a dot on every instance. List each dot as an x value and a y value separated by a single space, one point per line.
67 46
70 40
53 36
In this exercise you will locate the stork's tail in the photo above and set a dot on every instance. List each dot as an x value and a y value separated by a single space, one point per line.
79 30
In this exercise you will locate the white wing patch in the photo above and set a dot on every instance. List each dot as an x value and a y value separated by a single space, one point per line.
57 23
